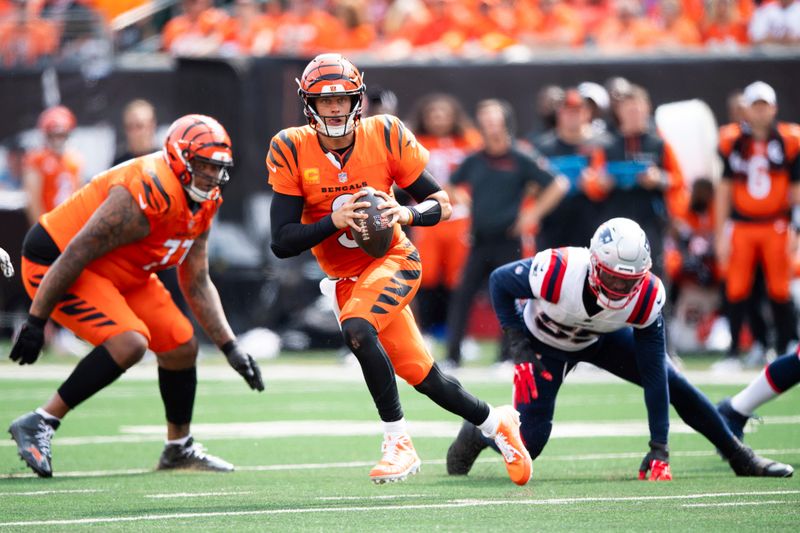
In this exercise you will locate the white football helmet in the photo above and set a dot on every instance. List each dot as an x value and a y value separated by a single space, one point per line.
620 259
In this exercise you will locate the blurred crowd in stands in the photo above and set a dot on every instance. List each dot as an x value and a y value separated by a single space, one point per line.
32 31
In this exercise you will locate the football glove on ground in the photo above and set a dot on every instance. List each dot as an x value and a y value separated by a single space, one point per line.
244 364
657 462
526 362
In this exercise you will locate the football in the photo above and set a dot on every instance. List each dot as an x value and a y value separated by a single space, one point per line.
375 236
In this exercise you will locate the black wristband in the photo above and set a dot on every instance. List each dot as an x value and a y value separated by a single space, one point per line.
228 347
36 321
426 213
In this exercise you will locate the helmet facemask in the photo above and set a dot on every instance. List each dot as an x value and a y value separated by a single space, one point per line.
198 173
319 123
614 289
619 255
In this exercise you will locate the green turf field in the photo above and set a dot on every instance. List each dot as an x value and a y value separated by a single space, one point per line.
304 447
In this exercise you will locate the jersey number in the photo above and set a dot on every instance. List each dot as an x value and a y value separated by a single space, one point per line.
560 331
344 239
758 179
172 246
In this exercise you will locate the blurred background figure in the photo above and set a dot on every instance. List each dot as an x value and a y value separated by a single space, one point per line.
442 126
52 172
648 182
724 27
597 99
25 38
197 31
776 23
499 178
691 269
576 152
380 101
249 31
547 101
760 187
139 122
11 175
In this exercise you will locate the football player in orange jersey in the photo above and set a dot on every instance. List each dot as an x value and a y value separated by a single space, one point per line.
317 173
51 173
758 211
90 265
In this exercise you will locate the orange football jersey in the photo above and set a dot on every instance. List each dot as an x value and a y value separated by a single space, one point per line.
160 196
59 174
384 153
760 182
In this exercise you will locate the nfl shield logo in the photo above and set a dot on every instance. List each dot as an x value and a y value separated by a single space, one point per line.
342 177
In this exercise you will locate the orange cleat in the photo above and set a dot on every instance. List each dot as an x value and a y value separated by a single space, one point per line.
508 440
399 460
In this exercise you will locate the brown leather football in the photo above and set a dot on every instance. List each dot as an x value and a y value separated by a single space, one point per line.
375 236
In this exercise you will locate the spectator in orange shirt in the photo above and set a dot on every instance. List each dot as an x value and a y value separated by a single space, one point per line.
306 30
498 23
450 25
724 26
557 24
678 30
25 38
592 13
627 30
52 173
248 31
357 34
197 32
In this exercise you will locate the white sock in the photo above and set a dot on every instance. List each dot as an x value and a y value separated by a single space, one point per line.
398 427
754 395
490 425
47 416
181 441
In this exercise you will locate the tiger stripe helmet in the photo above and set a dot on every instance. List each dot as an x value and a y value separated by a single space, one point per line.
331 75
198 138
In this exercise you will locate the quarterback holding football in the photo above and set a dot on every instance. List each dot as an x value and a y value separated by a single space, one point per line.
321 175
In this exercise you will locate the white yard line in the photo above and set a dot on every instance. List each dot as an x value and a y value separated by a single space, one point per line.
737 504
371 508
327 373
349 428
376 497
197 494
487 458
50 492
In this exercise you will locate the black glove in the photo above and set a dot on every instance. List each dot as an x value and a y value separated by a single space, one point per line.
656 462
522 351
244 364
29 341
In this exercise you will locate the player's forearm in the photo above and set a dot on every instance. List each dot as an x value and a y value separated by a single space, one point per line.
204 301
60 277
294 238
651 360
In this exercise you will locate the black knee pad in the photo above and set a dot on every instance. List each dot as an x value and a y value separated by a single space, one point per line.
357 332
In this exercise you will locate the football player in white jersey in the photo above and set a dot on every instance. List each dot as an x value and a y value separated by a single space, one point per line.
601 305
